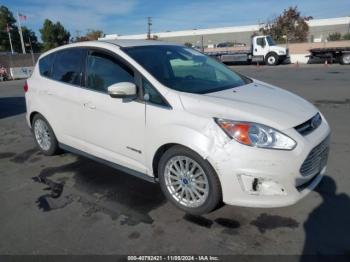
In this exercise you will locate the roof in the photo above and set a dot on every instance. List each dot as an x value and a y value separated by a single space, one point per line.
135 42
117 42
329 21
222 30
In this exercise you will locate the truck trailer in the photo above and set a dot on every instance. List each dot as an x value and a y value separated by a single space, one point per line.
332 54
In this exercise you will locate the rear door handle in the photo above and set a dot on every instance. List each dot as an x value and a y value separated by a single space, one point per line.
46 92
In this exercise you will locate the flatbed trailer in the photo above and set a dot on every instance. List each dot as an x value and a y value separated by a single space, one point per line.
263 49
332 54
236 56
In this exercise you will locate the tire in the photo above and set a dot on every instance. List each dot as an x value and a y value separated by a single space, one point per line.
271 59
345 59
44 136
201 192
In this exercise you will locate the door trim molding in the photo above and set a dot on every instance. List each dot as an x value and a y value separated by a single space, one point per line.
109 163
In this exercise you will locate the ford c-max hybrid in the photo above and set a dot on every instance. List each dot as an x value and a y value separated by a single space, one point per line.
170 114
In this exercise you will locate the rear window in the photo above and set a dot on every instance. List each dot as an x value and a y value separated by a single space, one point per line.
45 65
67 66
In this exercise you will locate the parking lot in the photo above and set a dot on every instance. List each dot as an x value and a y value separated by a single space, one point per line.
102 211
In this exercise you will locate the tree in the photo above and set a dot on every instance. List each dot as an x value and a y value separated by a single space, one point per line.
30 40
94 34
53 35
336 36
188 44
91 35
289 24
6 18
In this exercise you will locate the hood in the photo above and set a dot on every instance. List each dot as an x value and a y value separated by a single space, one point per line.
278 49
256 102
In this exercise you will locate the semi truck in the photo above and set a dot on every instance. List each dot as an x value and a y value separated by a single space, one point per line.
263 49
332 54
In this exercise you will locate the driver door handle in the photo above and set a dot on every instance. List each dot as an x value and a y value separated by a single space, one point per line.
89 105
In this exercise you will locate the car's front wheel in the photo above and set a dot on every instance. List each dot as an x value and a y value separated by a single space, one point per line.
189 181
44 135
271 59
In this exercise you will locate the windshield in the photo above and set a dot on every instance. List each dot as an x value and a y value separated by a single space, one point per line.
270 41
184 69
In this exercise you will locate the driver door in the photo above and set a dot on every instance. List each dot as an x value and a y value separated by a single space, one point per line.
113 128
260 48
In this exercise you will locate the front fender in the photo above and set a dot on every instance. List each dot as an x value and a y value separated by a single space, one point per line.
204 142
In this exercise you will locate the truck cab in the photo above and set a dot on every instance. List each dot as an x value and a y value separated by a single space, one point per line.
266 48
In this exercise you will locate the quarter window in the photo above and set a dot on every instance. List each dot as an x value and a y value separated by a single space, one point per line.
68 66
154 96
45 65
104 70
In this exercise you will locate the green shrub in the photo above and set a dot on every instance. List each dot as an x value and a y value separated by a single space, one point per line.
334 36
346 36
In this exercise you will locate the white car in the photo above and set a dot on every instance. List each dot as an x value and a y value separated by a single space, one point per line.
169 114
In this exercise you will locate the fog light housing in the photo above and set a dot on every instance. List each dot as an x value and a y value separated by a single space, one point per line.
260 186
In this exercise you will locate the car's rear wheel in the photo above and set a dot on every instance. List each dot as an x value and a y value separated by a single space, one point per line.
44 135
189 181
345 59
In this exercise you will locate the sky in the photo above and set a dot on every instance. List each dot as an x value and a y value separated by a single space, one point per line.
130 16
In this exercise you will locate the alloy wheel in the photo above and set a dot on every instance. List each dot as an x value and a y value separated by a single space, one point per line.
42 134
186 181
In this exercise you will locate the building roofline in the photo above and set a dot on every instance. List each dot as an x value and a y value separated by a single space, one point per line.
223 30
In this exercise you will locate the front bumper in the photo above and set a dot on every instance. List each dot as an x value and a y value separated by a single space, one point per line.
284 59
281 168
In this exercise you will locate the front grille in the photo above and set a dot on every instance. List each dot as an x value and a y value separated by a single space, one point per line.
310 125
316 159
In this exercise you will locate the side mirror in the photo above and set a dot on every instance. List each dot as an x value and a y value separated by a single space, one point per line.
122 90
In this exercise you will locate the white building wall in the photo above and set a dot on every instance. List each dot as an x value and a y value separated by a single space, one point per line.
318 28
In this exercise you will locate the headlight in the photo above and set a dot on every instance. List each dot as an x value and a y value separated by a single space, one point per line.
256 135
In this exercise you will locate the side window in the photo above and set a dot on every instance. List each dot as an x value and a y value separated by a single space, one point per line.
154 96
260 41
104 70
67 66
45 65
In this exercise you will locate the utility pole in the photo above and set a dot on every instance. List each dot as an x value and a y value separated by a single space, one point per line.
20 33
77 33
149 24
31 51
8 32
202 43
